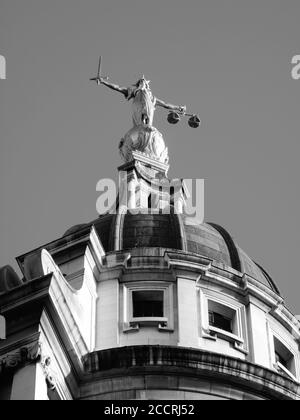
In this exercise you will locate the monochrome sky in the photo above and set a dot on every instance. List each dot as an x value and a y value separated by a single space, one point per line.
228 60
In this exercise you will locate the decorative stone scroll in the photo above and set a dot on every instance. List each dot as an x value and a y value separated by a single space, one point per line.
21 356
32 353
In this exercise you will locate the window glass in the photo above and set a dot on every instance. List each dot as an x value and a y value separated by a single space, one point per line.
284 356
220 321
222 317
280 359
148 303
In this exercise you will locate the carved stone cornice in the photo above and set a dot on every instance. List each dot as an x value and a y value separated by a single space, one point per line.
170 360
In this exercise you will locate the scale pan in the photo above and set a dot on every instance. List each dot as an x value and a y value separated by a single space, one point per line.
173 118
194 121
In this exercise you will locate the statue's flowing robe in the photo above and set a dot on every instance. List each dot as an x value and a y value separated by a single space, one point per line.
143 104
143 137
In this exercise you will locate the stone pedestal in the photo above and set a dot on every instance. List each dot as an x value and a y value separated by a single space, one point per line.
144 186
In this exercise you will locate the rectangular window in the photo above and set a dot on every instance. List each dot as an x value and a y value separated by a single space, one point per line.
221 317
148 303
285 361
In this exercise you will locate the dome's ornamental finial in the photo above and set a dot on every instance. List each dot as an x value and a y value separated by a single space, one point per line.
143 136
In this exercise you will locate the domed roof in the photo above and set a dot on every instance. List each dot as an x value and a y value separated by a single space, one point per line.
176 232
8 279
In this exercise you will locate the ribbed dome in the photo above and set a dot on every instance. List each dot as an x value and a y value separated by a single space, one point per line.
176 232
8 279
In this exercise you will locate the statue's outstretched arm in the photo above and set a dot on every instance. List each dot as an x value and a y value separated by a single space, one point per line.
163 104
113 86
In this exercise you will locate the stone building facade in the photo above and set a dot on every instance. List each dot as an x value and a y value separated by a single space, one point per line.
145 305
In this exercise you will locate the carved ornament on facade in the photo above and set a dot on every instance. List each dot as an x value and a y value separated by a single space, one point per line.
21 356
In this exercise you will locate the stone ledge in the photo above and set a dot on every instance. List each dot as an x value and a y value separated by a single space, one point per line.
178 361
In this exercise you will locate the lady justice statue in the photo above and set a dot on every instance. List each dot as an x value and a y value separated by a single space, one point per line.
143 136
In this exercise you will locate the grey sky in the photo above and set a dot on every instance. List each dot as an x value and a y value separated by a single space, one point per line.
229 60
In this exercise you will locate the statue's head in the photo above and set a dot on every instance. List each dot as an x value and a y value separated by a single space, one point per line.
143 83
